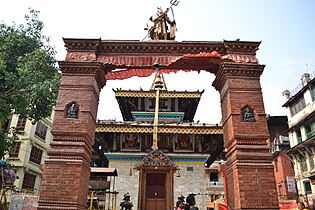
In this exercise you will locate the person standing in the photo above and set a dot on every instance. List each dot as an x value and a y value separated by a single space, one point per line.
180 202
191 201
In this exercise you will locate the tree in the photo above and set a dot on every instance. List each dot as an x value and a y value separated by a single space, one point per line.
29 77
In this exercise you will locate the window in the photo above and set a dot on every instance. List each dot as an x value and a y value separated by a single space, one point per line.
15 150
310 130
41 130
298 136
21 124
214 177
297 106
36 155
28 181
307 187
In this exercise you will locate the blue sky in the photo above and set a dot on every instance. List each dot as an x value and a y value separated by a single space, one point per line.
284 27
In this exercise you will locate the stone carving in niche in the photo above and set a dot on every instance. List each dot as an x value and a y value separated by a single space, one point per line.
248 115
72 111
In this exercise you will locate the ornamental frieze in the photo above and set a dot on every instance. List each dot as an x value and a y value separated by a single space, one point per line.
152 94
155 48
80 56
239 47
162 129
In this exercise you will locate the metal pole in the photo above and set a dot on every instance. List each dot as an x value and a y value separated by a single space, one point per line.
91 202
157 87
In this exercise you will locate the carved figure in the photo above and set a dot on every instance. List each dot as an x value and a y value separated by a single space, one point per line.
248 115
72 111
126 204
163 28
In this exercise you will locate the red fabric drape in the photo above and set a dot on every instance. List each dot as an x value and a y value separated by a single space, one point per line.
125 74
142 66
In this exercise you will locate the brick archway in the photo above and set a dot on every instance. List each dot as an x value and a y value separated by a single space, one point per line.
249 175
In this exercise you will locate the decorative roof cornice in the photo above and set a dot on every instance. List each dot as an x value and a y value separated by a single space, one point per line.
152 93
236 70
134 47
159 48
127 128
73 68
82 45
238 47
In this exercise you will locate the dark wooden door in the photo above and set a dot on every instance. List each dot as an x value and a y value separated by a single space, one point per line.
155 191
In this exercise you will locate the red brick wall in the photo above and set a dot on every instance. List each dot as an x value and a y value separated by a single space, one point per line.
284 169
250 175
67 172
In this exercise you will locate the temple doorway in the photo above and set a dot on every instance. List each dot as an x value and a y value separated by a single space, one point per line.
155 197
156 182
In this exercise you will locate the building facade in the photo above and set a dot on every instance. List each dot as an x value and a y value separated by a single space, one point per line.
29 152
300 107
283 168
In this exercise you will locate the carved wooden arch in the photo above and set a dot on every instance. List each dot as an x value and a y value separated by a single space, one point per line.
156 158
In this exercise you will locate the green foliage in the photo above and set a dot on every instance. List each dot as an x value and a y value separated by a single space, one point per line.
7 139
29 77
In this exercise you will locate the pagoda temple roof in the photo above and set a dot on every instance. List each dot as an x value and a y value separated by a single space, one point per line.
127 108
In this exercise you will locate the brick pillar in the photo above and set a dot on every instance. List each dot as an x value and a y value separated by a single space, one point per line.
67 170
250 174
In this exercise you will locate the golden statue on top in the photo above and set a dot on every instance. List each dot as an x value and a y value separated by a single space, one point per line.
163 28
